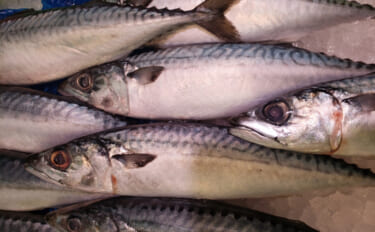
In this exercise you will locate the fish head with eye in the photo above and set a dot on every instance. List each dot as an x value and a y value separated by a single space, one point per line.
308 121
79 164
102 86
82 220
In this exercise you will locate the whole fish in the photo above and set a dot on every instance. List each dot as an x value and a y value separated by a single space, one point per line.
169 215
331 118
53 44
204 81
32 121
277 20
21 191
188 160
23 222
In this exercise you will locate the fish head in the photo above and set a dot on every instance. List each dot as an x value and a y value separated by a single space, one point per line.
80 164
307 121
102 86
82 220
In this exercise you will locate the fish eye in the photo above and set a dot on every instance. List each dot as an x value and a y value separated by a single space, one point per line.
73 224
84 82
60 160
276 112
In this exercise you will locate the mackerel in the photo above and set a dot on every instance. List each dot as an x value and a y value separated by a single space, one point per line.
53 44
272 20
331 118
21 191
204 81
32 121
169 215
188 160
23 222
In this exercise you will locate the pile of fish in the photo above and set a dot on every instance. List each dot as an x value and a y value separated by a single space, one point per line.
165 110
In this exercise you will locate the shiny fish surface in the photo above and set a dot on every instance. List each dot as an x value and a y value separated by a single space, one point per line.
53 44
23 222
188 160
21 191
170 215
331 118
204 81
277 20
32 121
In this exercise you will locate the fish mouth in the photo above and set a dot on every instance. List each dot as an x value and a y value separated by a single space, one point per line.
245 129
38 173
62 87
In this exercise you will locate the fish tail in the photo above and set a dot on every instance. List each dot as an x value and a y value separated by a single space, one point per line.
217 23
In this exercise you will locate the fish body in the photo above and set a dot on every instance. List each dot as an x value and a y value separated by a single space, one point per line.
188 160
53 44
31 121
169 215
330 118
276 20
21 222
21 191
204 81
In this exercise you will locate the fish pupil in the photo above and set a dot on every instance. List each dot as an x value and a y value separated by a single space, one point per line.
74 224
275 113
59 159
84 82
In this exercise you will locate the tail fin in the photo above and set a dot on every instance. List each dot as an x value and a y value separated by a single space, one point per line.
218 24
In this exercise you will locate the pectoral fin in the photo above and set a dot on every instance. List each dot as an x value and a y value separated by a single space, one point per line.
131 161
365 101
146 75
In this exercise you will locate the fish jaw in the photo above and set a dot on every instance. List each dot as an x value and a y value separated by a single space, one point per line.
249 134
34 166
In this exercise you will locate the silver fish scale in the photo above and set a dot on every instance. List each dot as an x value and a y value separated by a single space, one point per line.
218 142
76 18
191 215
36 105
13 222
269 53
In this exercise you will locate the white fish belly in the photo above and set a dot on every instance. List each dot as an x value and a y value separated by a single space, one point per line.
220 88
221 178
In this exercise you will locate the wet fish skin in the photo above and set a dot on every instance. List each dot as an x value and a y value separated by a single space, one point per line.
279 20
170 215
237 77
36 48
20 222
329 118
188 160
32 121
22 191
